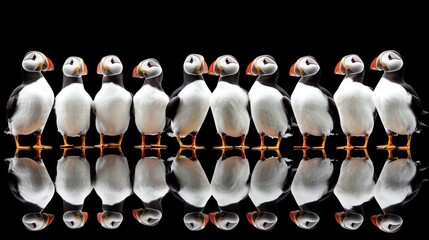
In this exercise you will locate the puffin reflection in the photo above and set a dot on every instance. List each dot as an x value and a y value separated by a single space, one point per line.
150 186
354 187
112 184
312 183
229 185
30 183
399 182
188 183
73 184
269 184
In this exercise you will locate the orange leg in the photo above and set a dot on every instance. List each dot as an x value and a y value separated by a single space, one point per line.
277 146
39 144
194 141
224 146
349 145
83 144
117 145
365 144
19 147
389 144
143 145
242 145
304 143
323 144
158 143
407 147
66 145
102 144
181 144
262 146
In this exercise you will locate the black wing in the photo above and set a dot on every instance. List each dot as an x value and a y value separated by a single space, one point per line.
13 99
172 107
333 111
288 110
172 182
416 105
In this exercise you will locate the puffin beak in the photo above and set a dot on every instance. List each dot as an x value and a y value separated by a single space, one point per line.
99 71
49 65
85 70
292 71
212 69
249 217
136 72
292 216
374 219
50 219
338 217
338 68
135 213
249 69
375 64
212 217
100 218
205 68
85 217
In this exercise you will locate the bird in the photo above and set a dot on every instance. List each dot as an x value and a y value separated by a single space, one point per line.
113 185
150 186
29 182
190 103
112 103
189 184
150 102
229 185
314 108
269 103
354 100
73 103
397 103
269 184
354 187
29 104
229 102
73 183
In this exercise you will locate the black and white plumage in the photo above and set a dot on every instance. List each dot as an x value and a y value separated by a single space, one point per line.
112 103
190 103
229 102
150 101
269 103
398 183
398 104
312 104
189 183
30 183
73 183
73 103
311 184
29 105
354 187
354 100
269 184
112 184
150 186
229 185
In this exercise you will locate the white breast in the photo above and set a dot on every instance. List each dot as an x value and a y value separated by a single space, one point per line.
229 107
149 109
267 110
149 179
73 110
310 107
393 106
356 107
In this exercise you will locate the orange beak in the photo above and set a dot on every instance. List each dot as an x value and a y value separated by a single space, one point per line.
135 212
374 218
338 217
85 70
205 68
292 216
136 72
338 68
100 218
249 69
292 71
50 66
50 219
85 217
249 216
99 71
374 64
212 71
212 217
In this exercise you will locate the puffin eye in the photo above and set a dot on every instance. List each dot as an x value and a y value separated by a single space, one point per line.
307 62
227 61
265 61
149 65
71 62
192 60
390 57
34 57
353 60
112 61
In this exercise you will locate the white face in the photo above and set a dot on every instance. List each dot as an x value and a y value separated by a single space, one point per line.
227 65
195 221
110 220
391 61
265 65
352 64
74 67
110 65
75 219
307 66
37 221
149 68
34 61
195 65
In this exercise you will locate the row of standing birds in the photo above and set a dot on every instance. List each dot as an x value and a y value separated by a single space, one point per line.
311 107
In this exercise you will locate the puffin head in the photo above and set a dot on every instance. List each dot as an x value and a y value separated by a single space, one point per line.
75 219
262 220
350 64
304 219
195 64
225 65
109 65
389 223
37 221
109 219
224 220
388 61
74 67
148 216
35 61
147 68
305 66
349 220
195 221
262 66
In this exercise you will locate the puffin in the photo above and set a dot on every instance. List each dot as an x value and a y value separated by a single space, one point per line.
399 182
29 182
189 184
270 104
229 102
112 103
29 104
313 183
354 100
397 103
150 102
73 103
354 187
314 108
113 185
73 183
190 103
150 186
229 185
269 184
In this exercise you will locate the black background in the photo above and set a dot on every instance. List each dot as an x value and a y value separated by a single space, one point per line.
171 49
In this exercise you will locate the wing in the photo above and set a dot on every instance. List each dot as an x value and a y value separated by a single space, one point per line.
172 182
13 99
416 105
288 109
172 106
333 111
